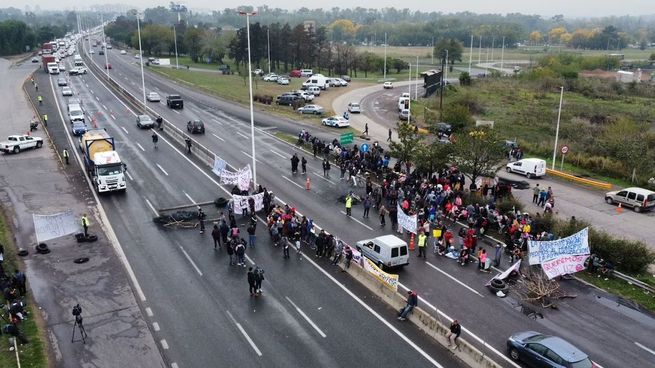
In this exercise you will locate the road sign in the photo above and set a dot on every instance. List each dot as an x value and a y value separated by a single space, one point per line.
565 149
346 138
364 147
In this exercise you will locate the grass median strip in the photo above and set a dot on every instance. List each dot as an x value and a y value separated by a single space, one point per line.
33 354
621 288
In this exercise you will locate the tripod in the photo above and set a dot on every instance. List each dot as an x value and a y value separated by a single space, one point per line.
78 324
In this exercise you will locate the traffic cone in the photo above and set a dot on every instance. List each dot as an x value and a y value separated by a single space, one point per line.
308 184
411 242
619 209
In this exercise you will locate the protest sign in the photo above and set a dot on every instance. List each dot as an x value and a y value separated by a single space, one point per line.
576 244
389 280
564 265
219 166
53 226
407 222
241 202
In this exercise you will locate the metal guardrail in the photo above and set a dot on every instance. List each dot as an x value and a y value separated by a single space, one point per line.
590 182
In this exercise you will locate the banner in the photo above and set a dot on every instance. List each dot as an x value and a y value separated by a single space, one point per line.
407 222
564 265
542 251
241 178
515 267
241 202
219 166
389 280
54 226
357 256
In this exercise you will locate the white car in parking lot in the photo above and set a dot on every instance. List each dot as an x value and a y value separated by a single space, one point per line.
283 81
270 77
336 121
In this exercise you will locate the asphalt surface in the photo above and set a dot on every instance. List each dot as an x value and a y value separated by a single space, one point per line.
34 182
458 293
199 303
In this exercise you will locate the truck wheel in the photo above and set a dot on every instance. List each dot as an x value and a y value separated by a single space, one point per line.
39 144
16 149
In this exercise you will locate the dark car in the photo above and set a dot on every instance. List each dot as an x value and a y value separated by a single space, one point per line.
544 351
443 129
78 128
196 126
287 100
346 78
174 102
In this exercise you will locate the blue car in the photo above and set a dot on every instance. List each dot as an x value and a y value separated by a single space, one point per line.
78 128
544 351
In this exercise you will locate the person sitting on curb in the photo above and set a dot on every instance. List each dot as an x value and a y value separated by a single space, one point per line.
453 335
412 301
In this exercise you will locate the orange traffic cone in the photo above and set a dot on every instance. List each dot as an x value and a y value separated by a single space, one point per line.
411 242
619 209
308 184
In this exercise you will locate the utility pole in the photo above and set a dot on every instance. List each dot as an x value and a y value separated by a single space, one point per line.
471 55
441 92
385 57
502 55
559 115
268 37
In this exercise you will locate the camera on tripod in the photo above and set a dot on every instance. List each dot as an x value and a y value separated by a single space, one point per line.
77 312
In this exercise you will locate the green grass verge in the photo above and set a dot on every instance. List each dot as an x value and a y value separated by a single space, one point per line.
622 288
33 354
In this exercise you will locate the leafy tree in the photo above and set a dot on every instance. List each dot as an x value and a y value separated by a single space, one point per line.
457 115
192 41
408 143
342 30
14 36
368 62
455 50
399 64
431 157
478 153
535 37
465 79
555 34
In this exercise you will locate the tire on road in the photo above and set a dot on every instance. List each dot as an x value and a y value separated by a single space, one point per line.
39 144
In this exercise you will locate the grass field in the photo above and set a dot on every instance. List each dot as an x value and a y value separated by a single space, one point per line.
32 355
622 289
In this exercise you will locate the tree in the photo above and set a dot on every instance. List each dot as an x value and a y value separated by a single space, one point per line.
465 79
457 115
399 64
454 48
343 30
478 153
408 143
535 37
192 41
555 34
431 157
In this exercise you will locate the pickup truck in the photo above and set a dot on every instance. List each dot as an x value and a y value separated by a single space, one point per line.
16 143
175 102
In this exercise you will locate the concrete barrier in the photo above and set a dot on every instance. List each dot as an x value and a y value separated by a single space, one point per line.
590 182
468 353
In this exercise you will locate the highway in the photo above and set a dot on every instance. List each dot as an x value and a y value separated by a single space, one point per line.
201 312
457 293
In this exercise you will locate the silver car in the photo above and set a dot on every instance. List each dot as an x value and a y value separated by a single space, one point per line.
311 109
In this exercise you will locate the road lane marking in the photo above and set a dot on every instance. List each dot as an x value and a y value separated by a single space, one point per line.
252 262
645 348
152 207
97 98
243 135
218 137
311 323
164 344
454 279
359 222
112 116
174 365
216 121
175 111
149 312
292 182
141 147
104 107
188 257
161 168
278 153
188 196
319 175
249 156
129 175
155 326
245 334
92 92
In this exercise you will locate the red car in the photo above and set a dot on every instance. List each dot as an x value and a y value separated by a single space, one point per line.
107 66
295 73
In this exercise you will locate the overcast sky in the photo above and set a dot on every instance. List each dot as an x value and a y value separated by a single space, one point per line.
570 8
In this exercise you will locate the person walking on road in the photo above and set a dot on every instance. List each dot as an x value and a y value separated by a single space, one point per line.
252 288
389 139
337 253
422 243
66 156
535 194
85 225
216 235
240 251
155 139
45 120
201 220
294 163
252 237
349 257
259 277
40 99
383 212
187 140
285 248
326 168
453 335
412 301
366 129
36 86
349 203
367 205
229 247
303 164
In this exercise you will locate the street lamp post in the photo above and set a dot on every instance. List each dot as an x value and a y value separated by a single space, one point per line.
252 113
143 80
177 64
103 45
268 38
559 115
385 57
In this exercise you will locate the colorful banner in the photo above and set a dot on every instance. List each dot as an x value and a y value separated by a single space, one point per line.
407 222
542 251
389 280
564 265
241 202
54 226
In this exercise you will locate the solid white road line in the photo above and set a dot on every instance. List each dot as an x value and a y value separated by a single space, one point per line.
125 130
188 196
311 323
245 334
152 207
190 260
249 156
319 175
161 168
218 137
454 279
129 175
292 182
155 326
359 222
164 344
645 348
141 147
243 135
149 312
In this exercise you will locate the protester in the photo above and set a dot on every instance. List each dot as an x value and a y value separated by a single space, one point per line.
412 301
453 335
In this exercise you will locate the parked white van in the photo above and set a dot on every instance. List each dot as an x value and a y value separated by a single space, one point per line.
315 90
385 251
530 167
638 198
317 80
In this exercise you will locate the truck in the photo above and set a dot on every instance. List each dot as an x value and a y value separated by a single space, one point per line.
45 59
102 162
47 48
19 142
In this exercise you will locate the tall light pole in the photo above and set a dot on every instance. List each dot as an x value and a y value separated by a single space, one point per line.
502 56
177 64
445 71
103 45
252 113
268 40
143 80
409 100
385 57
416 85
471 55
559 115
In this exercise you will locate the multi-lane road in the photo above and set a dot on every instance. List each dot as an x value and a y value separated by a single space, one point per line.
309 314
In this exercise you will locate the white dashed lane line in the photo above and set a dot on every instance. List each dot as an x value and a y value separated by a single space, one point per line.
141 148
223 140
161 168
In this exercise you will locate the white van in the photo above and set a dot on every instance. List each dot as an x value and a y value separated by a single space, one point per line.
317 80
385 251
315 90
75 113
530 167
403 103
306 72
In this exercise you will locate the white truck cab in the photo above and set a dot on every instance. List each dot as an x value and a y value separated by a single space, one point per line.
109 172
